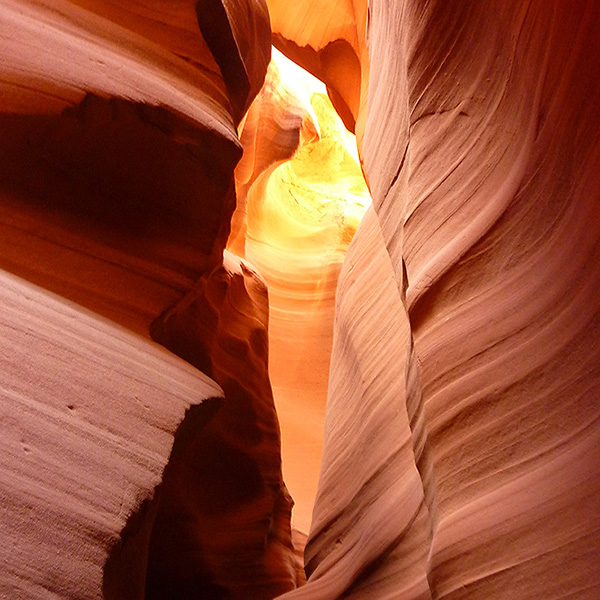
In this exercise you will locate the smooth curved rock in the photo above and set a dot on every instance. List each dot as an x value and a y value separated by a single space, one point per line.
117 163
462 435
119 142
370 534
237 34
77 481
277 123
483 168
328 40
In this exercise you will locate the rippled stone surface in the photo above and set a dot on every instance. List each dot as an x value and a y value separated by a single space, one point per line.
89 413
119 143
223 525
482 164
461 446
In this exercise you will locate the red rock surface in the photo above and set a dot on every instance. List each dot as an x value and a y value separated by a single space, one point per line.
461 449
223 526
88 411
119 141
327 39
483 165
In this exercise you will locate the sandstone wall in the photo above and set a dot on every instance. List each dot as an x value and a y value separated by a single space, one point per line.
461 454
481 150
118 130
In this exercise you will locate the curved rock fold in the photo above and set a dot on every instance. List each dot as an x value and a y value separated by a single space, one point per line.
442 375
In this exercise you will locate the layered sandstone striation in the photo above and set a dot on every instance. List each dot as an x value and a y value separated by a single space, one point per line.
327 39
119 142
117 160
461 444
483 165
89 412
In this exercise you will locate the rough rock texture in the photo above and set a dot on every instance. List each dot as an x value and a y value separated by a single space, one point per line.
223 527
301 195
483 165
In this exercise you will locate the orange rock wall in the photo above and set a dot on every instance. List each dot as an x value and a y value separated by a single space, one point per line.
89 413
301 195
462 429
119 142
328 39
481 148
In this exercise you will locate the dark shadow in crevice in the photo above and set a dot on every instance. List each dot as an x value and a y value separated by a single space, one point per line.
111 194
121 167
126 568
215 27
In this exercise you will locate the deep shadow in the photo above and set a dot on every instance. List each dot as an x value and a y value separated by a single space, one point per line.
125 571
214 24
116 205
124 166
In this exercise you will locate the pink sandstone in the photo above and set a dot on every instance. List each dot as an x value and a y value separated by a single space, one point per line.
461 448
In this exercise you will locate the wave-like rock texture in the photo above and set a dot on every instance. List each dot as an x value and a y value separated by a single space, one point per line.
462 442
304 195
481 149
369 537
117 158
223 526
117 155
237 34
89 411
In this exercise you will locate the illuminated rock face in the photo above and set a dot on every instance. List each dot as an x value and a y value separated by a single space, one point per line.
301 195
461 450
327 38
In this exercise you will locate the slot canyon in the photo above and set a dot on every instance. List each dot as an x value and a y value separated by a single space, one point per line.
300 300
